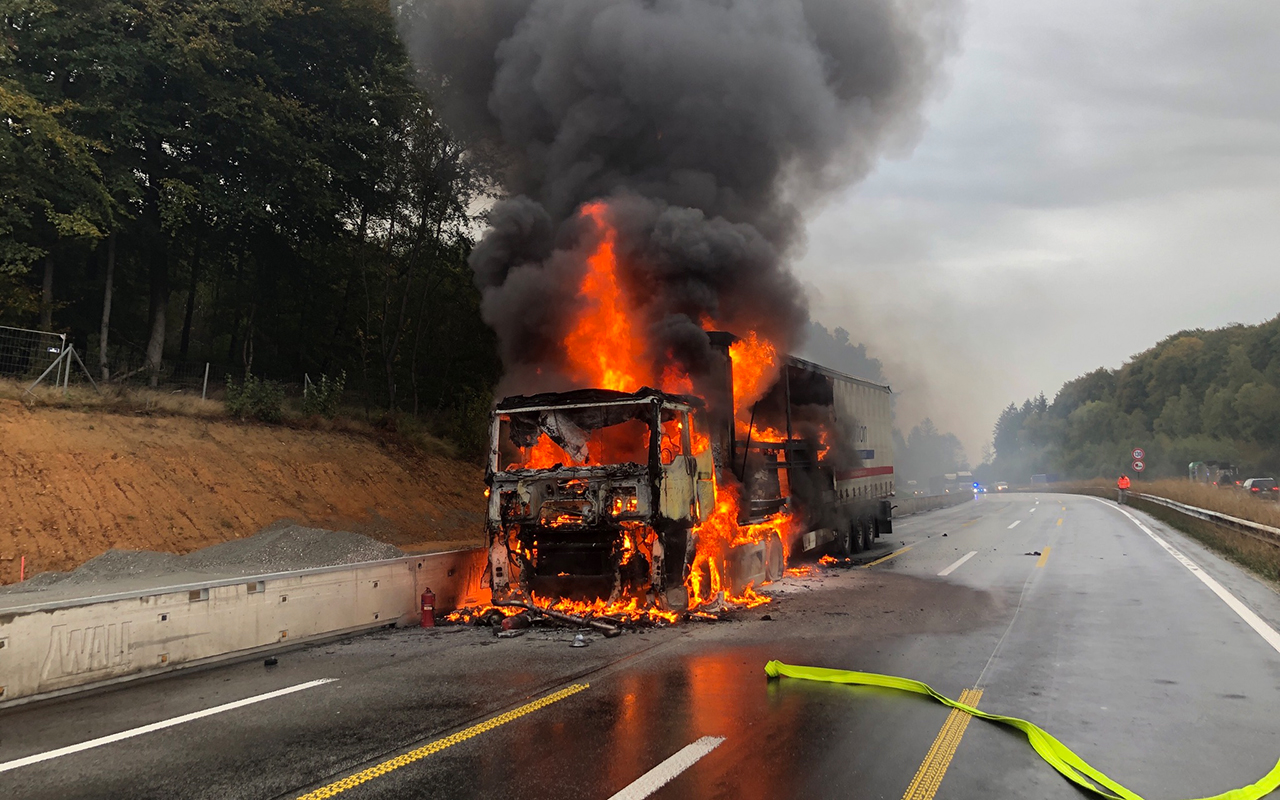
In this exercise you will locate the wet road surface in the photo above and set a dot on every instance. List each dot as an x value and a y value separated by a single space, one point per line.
1059 609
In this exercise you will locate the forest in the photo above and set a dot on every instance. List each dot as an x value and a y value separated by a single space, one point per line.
1197 395
261 186
256 184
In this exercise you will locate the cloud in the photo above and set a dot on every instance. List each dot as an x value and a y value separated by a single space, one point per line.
1098 176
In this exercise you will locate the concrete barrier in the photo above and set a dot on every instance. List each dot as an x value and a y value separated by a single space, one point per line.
59 646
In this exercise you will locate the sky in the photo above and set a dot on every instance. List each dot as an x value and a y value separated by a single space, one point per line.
1092 177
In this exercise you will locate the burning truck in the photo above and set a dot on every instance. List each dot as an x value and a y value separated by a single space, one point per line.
663 501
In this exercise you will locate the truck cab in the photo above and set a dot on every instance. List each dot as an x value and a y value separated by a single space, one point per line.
595 494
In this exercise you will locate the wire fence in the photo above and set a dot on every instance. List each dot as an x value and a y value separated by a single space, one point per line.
26 354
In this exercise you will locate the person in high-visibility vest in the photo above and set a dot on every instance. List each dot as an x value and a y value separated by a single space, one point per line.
1123 485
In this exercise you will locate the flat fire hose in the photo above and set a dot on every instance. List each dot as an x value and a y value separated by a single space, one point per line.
1059 756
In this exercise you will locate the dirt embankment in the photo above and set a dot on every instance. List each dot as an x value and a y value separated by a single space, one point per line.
74 485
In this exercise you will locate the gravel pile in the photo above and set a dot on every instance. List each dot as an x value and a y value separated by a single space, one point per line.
277 548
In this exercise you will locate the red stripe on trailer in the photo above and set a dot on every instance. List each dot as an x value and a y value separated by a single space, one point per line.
865 472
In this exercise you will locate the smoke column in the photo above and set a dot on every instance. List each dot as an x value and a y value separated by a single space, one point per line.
708 127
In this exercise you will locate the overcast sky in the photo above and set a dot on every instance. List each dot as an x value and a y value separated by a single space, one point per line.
1094 176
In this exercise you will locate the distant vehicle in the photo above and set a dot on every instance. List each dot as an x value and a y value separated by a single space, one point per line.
979 489
1266 488
1222 474
1002 487
1047 477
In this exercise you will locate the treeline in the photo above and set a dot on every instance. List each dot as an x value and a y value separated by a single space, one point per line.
1197 395
255 183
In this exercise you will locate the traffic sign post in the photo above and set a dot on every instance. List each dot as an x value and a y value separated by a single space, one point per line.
1139 454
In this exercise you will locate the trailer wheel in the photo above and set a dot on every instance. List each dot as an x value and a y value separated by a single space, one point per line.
868 534
846 541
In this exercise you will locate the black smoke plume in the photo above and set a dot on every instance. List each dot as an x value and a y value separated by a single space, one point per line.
708 126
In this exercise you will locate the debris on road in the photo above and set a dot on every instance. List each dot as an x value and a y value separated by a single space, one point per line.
579 641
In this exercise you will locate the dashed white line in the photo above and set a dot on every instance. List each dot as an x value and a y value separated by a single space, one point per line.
156 726
1244 612
1015 524
1033 509
956 565
661 775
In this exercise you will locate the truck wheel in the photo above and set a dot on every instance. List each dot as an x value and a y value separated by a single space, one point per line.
868 534
844 545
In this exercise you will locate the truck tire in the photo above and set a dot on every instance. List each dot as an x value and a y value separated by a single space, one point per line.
775 563
855 538
845 543
868 534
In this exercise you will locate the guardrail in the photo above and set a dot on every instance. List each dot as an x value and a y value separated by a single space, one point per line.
60 646
1257 530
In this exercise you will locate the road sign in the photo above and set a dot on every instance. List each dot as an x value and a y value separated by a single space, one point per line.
1138 465
1139 454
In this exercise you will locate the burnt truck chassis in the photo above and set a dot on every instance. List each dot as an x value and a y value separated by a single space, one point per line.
607 531
628 529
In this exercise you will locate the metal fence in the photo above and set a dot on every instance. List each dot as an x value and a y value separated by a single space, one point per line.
26 354
28 357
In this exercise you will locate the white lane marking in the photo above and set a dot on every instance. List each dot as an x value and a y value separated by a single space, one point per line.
1033 509
1015 524
1244 612
956 565
156 726
661 775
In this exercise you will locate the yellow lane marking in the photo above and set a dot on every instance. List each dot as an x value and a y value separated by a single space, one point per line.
886 558
1059 521
1044 556
967 524
934 767
377 771
1064 508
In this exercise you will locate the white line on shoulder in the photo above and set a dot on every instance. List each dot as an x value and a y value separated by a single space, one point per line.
156 726
1244 612
1015 524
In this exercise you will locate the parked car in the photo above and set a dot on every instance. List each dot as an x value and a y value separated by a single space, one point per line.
1266 488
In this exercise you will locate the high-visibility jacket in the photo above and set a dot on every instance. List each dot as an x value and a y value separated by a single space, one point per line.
1123 483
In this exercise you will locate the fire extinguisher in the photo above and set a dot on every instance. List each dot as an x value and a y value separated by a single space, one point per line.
428 609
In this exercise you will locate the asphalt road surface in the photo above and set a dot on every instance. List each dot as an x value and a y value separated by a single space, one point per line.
1059 609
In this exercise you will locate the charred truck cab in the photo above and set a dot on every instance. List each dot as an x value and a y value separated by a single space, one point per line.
594 494
598 494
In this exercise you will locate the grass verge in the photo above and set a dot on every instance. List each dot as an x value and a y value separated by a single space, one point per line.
399 431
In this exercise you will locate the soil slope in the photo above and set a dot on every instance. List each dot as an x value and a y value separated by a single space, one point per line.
74 485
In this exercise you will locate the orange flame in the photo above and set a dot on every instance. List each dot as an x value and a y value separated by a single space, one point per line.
603 350
755 368
719 532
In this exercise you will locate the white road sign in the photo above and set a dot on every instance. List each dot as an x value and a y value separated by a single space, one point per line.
1138 465
1139 454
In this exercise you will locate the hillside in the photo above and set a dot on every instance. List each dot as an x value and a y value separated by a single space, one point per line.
1196 395
75 484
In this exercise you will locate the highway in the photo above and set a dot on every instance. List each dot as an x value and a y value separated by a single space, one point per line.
1059 609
